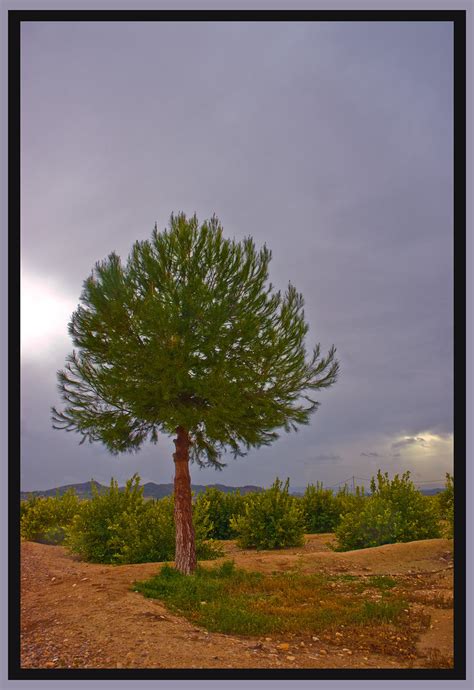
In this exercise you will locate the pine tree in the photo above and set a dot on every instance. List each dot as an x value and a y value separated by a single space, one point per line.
189 338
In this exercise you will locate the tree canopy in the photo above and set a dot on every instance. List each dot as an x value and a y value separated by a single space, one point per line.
189 332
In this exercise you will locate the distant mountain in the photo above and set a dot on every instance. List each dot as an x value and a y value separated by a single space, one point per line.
150 489
82 490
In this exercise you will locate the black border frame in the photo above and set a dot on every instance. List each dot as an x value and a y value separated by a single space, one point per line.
458 18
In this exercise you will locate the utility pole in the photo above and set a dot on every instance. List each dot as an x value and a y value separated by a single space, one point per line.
353 485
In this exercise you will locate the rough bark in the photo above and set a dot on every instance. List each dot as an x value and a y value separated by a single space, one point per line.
185 558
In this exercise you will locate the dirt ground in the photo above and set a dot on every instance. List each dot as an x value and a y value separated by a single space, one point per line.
85 615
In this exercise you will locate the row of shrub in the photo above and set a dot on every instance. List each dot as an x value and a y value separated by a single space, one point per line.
394 511
120 526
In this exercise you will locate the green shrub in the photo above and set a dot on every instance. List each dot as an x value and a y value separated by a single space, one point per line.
46 519
320 509
372 526
348 501
272 519
206 548
121 527
219 507
395 512
103 527
323 509
446 504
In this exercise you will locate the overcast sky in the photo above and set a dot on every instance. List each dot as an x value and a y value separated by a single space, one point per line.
330 142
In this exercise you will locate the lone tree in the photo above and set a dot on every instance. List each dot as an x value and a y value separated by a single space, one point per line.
188 338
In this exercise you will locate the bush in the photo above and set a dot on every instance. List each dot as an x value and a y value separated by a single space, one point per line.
446 504
206 548
320 508
395 512
323 509
348 501
121 527
219 507
46 519
272 519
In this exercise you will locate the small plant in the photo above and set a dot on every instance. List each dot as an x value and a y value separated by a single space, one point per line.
46 519
273 519
382 582
395 512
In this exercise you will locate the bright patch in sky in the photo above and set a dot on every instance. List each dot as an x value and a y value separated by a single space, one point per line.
426 450
424 442
45 314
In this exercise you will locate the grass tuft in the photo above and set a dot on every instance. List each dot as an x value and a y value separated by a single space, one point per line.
231 600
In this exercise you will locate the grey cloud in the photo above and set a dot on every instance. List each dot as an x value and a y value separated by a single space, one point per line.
370 455
417 440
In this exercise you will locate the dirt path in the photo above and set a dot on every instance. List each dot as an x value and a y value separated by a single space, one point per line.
84 615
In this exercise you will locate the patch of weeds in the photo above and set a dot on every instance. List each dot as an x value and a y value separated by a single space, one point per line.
361 584
206 598
347 578
231 600
382 582
380 611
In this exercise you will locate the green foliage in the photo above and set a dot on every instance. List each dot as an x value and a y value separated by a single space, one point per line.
206 547
321 509
189 333
121 527
235 601
46 519
102 531
272 519
395 512
348 501
446 504
372 526
220 507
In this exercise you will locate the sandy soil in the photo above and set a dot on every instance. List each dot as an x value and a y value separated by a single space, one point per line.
84 615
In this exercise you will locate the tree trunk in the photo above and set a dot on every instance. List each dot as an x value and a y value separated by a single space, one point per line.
185 559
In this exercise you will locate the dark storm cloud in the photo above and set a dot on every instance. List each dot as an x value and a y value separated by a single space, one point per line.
332 143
